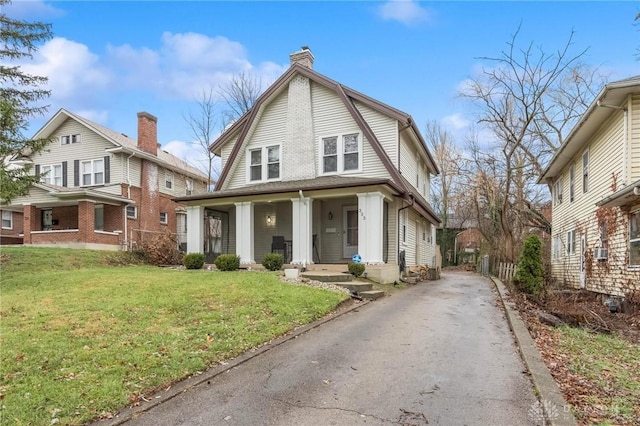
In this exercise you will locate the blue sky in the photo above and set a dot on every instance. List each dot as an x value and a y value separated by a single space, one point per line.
110 59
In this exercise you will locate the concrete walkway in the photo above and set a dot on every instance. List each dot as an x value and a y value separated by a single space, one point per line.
437 353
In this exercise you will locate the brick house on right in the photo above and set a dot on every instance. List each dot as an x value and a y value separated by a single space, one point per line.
595 181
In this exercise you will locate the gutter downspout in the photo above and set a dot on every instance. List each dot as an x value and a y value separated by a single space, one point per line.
126 231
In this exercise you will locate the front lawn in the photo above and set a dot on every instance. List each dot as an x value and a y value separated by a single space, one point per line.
81 340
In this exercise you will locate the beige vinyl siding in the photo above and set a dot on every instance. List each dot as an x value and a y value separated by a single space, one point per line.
392 231
135 171
408 161
268 129
412 235
225 151
634 139
91 147
263 234
36 196
605 160
386 131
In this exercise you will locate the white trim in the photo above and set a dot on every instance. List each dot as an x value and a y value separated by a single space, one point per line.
49 177
92 173
135 212
168 180
166 218
585 152
10 219
264 163
340 154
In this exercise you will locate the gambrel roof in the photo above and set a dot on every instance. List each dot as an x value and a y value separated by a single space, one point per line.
240 129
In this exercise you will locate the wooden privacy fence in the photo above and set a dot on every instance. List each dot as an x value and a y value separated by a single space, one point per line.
506 271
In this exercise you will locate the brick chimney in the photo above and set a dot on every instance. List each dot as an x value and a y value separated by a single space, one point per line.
148 133
303 57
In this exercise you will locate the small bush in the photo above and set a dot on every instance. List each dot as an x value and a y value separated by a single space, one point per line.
273 261
529 275
161 249
193 260
356 269
227 262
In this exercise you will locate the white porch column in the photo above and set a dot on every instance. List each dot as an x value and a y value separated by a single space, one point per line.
244 232
302 232
370 227
195 229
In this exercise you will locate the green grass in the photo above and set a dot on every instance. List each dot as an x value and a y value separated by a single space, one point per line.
612 365
81 340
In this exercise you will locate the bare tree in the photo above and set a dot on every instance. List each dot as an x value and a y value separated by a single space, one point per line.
527 101
239 94
203 124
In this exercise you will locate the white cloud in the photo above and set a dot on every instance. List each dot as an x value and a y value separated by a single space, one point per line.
407 12
186 64
193 154
455 121
21 9
71 68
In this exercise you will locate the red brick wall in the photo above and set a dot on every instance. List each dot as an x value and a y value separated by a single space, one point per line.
148 133
67 217
113 217
17 225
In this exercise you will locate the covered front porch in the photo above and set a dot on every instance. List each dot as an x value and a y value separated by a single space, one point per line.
315 227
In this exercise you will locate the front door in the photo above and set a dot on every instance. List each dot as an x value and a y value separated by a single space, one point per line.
47 219
350 231
583 248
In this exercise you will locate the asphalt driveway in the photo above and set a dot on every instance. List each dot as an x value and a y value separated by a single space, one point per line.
439 352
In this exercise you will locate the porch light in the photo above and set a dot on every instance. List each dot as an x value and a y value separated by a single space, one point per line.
330 216
268 220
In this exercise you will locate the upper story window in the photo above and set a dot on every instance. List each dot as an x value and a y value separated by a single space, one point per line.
164 218
7 219
168 179
557 244
68 139
557 192
264 163
92 172
341 153
51 174
634 238
188 184
585 172
571 182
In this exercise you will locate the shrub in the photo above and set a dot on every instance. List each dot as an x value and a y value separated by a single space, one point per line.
273 261
356 269
161 249
227 262
530 273
193 260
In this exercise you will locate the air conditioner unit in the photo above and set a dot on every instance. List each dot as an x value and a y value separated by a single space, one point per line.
600 253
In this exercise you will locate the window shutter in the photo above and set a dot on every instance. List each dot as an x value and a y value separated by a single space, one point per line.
37 169
76 172
64 173
107 171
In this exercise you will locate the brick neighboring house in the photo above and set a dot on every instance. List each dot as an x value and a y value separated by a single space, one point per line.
320 172
100 188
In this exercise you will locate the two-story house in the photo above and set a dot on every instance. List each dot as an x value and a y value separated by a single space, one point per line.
595 181
101 189
321 172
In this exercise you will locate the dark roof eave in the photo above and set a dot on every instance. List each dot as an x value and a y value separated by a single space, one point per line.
243 192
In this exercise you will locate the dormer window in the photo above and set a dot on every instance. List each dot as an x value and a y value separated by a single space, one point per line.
264 163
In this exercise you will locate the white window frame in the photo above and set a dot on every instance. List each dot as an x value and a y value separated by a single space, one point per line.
585 171
135 212
403 226
557 191
340 153
93 173
635 214
98 217
70 139
168 180
571 242
48 174
188 185
264 163
557 245
7 215
164 218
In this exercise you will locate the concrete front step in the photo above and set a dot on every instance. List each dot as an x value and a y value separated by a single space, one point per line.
371 294
327 277
355 286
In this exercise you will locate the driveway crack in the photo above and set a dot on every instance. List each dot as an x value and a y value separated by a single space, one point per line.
346 410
